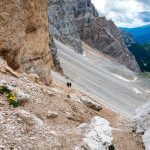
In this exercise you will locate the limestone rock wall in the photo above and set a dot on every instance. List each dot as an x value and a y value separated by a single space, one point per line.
56 63
64 27
107 38
24 36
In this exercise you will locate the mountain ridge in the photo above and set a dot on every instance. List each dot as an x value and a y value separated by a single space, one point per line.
138 41
76 21
141 34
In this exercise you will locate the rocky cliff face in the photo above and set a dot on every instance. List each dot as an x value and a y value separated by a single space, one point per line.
64 27
105 37
56 63
24 36
77 20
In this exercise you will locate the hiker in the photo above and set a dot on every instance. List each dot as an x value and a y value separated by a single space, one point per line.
69 84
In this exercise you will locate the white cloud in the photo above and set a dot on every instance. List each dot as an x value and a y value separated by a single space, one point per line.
124 13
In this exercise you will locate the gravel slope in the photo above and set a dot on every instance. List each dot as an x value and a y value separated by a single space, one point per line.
113 84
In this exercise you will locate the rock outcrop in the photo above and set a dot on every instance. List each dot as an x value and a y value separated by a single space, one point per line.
64 27
106 37
142 119
98 134
56 63
24 36
74 21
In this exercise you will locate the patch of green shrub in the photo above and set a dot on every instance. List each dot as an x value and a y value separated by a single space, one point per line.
4 90
11 97
133 131
144 75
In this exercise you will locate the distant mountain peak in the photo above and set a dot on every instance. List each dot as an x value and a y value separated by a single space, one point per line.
141 34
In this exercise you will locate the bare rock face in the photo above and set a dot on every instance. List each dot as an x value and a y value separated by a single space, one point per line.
56 63
64 27
105 37
78 20
24 36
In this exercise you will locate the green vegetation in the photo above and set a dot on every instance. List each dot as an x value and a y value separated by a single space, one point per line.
133 130
4 90
142 55
144 75
11 97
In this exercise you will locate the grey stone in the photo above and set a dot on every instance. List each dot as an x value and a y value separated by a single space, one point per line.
91 104
52 114
142 120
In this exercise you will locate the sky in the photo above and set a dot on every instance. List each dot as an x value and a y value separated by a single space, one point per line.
125 13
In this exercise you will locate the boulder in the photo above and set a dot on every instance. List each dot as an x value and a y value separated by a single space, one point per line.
90 103
142 120
75 117
52 114
22 97
33 77
146 139
98 135
3 82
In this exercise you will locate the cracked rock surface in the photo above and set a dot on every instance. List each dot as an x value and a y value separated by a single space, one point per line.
24 37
